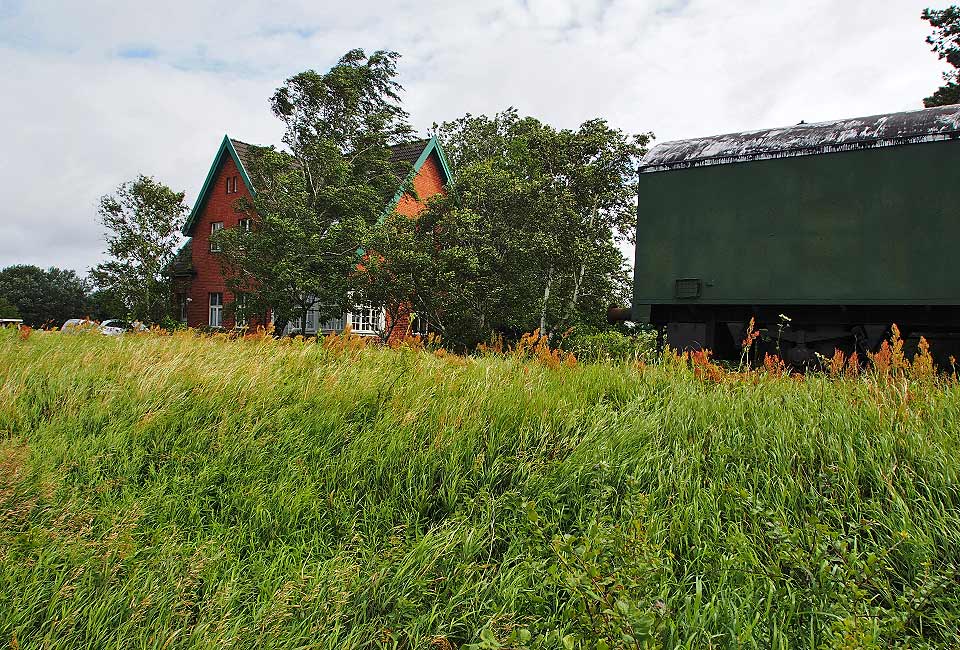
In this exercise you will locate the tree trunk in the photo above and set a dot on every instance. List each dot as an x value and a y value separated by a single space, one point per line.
546 298
578 278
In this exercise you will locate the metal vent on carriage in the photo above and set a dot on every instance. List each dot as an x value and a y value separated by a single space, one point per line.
688 288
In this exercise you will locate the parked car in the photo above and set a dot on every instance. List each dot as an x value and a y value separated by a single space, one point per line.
116 327
76 324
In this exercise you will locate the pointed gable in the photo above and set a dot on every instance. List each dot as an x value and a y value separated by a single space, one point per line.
429 174
239 152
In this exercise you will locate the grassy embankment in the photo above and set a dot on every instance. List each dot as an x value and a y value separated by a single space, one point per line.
184 492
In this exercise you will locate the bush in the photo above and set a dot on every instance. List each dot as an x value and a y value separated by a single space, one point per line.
611 345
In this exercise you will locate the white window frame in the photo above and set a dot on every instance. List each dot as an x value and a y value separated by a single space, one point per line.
215 309
215 227
182 303
366 320
246 224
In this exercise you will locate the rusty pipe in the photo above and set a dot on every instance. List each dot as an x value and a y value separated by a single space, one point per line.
617 314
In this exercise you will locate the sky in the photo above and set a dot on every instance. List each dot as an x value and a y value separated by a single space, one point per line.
96 93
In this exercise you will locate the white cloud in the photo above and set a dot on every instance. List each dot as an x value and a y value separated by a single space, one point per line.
98 92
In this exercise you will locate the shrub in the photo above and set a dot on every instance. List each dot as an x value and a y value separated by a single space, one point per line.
611 345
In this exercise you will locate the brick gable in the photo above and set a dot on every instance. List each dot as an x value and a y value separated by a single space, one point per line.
218 205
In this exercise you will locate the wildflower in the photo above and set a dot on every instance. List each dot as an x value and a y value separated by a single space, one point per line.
837 363
923 367
774 365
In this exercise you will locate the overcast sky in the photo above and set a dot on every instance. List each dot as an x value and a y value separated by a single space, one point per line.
98 92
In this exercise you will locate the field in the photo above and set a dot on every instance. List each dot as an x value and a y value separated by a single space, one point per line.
199 492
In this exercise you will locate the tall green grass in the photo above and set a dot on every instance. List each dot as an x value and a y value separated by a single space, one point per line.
190 492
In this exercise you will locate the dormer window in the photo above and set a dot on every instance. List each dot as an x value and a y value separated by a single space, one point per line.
231 185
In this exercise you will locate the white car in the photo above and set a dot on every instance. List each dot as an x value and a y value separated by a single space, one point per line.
116 327
77 324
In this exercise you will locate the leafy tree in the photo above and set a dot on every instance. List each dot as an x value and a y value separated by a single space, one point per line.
946 43
7 310
441 266
528 236
103 304
43 297
317 204
143 221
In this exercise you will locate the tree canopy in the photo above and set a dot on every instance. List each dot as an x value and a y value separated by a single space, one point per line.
527 237
945 41
142 219
43 297
316 204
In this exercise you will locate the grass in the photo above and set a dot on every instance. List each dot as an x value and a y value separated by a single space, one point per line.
198 492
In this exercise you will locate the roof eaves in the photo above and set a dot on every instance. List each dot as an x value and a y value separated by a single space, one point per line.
775 154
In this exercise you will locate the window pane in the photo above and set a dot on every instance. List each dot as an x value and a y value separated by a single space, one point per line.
215 227
418 325
335 324
365 320
216 309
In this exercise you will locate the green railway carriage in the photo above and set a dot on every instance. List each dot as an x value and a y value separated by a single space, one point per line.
844 227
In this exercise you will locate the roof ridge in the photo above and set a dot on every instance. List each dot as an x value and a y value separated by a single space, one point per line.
885 129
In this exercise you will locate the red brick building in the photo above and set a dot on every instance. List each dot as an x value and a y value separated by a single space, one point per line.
200 288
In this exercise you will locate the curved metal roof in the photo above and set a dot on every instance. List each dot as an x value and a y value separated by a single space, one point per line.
924 125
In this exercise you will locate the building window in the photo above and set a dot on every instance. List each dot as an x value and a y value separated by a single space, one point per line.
336 324
245 225
231 184
216 310
419 325
240 310
215 227
182 306
310 326
366 320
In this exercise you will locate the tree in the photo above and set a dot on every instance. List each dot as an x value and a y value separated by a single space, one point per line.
440 266
316 205
103 304
528 236
43 297
143 221
7 310
946 43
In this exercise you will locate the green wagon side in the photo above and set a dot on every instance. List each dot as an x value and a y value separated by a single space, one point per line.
844 227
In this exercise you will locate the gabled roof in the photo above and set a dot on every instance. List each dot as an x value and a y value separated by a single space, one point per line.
230 148
414 153
924 125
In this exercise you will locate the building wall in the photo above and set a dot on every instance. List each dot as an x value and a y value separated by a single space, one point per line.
427 183
218 207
